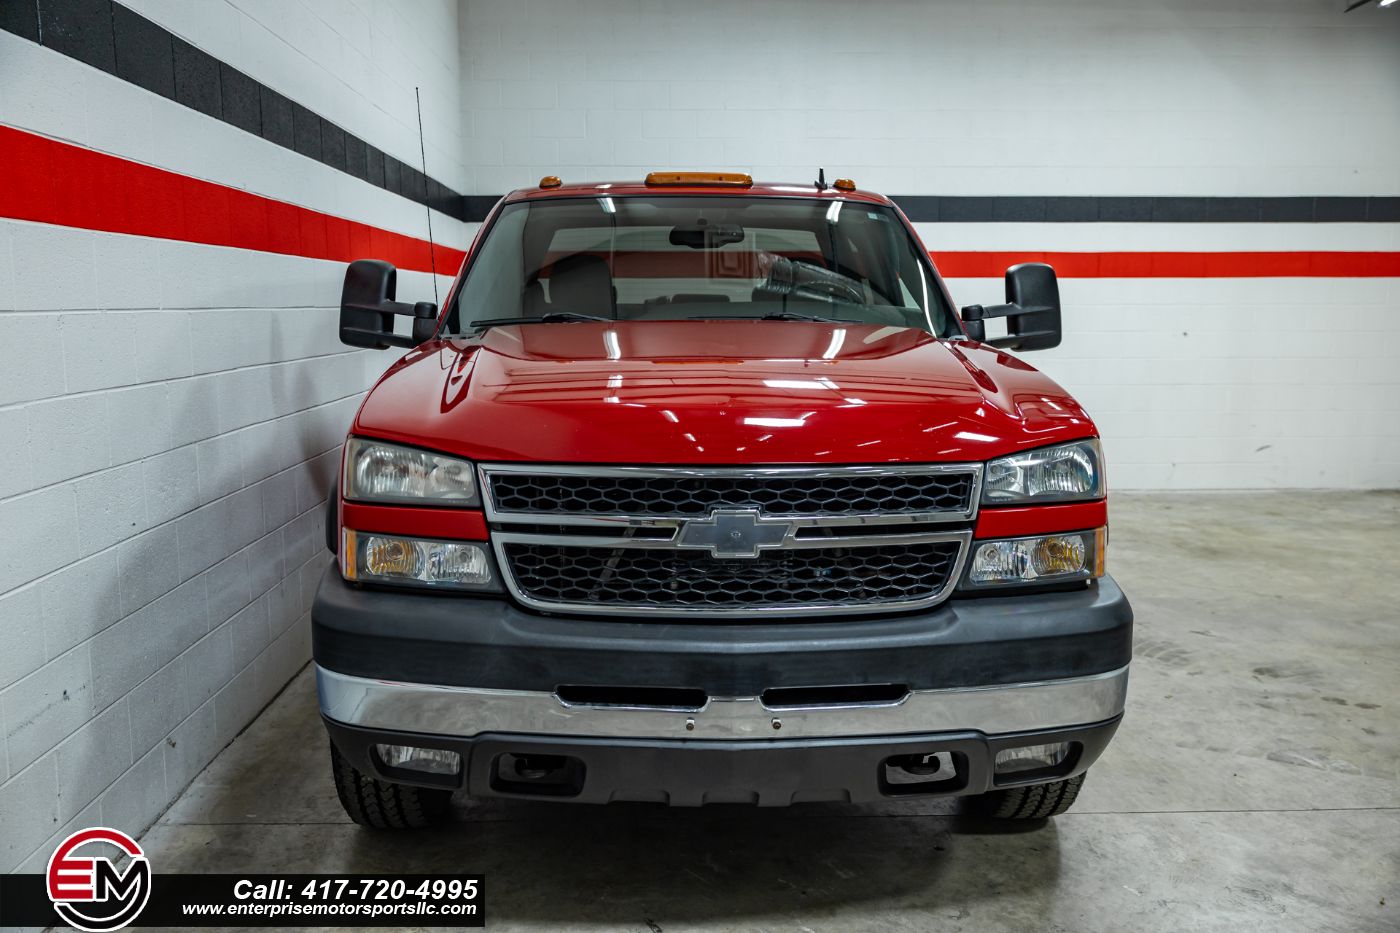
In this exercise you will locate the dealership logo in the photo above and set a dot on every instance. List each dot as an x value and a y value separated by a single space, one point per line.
734 533
88 890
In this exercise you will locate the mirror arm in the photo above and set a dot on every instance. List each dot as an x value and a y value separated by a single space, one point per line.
393 340
982 312
1014 342
422 309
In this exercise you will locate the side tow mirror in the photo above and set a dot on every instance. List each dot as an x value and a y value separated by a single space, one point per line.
367 308
1032 310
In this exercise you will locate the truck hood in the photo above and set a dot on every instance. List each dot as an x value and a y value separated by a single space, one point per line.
717 392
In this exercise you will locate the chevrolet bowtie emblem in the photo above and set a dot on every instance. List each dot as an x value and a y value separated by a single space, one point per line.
734 533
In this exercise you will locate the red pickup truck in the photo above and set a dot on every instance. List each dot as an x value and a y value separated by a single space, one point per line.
700 491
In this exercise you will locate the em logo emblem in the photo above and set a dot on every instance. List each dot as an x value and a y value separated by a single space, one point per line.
88 891
728 533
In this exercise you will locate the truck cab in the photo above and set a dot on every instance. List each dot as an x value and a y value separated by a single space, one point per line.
702 491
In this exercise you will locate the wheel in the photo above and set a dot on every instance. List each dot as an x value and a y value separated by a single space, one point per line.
381 805
1035 802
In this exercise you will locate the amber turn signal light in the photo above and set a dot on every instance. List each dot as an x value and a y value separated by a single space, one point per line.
704 179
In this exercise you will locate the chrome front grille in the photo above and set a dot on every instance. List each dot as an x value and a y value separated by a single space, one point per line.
684 495
721 542
648 578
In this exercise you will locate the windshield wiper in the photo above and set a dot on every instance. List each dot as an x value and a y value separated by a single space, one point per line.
798 316
552 317
773 316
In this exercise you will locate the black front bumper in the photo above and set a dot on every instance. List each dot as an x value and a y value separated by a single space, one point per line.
691 773
392 641
491 643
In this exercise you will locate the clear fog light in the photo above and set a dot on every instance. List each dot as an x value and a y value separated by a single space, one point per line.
1031 757
431 760
415 561
1050 558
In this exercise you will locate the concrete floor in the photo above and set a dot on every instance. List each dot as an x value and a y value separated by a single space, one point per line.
1255 782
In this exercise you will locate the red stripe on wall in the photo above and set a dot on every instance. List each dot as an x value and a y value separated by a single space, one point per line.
1175 265
52 182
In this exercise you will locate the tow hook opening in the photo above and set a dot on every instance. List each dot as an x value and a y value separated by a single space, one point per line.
845 695
930 772
538 775
918 765
662 698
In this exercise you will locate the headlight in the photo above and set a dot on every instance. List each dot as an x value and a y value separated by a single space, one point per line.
1063 473
1042 559
380 472
376 558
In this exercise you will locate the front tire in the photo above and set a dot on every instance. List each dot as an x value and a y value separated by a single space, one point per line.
1035 802
381 805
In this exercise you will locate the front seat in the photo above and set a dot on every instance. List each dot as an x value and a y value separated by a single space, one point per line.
582 283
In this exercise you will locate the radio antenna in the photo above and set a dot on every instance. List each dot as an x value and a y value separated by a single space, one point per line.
821 179
423 154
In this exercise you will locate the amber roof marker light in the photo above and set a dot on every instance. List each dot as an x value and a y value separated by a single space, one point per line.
700 179
551 181
844 184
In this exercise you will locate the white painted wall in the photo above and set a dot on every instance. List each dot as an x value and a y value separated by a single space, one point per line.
1223 97
171 413
1195 383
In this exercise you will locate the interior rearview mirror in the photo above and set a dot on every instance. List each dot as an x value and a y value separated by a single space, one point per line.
367 308
704 235
1032 310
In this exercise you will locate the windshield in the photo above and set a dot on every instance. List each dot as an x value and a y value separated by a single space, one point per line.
692 258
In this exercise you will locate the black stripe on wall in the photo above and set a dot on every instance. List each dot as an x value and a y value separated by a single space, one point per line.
109 36
932 208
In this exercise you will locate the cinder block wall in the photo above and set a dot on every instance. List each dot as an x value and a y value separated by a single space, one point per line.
171 411
1229 380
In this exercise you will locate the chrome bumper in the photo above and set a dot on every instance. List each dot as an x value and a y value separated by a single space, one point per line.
466 712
